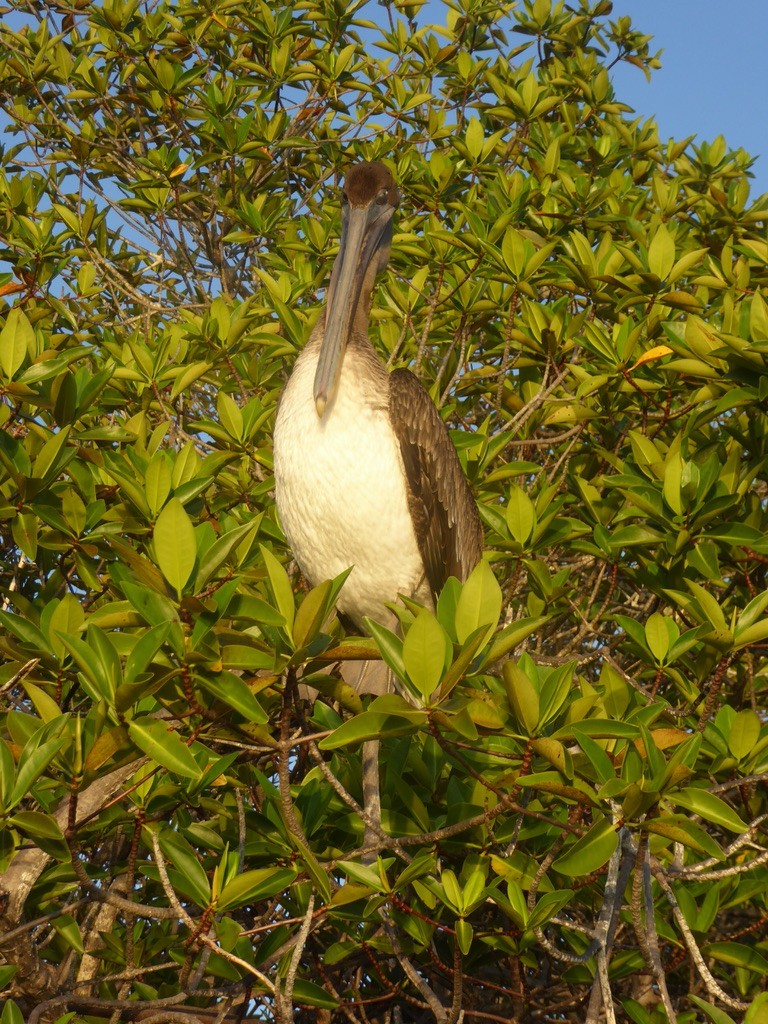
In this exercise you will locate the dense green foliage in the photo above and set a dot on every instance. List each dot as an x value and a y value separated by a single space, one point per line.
573 771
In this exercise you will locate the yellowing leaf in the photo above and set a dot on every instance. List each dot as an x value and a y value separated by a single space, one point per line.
11 288
651 355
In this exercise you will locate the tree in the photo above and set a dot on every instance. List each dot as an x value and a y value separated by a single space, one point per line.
574 767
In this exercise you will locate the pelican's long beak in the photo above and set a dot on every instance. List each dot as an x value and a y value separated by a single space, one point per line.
365 231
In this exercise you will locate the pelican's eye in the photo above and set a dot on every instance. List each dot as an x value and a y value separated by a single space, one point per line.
381 198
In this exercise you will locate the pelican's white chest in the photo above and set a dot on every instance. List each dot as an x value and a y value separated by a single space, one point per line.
341 490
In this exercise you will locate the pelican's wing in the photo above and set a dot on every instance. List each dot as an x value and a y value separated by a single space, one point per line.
445 518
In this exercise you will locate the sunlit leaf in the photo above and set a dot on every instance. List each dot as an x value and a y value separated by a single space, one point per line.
163 745
426 650
254 885
174 542
16 339
479 602
710 807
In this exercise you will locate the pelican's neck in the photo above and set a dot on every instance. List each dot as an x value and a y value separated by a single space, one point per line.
358 335
362 372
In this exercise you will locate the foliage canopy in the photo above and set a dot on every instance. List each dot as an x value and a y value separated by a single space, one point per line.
575 817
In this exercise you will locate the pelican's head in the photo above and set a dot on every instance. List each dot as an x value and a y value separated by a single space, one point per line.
370 198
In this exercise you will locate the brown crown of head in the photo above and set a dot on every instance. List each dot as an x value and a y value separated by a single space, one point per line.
366 180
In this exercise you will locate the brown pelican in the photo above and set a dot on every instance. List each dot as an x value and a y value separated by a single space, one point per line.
365 471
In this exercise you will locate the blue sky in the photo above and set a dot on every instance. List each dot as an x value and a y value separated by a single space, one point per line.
714 78
714 75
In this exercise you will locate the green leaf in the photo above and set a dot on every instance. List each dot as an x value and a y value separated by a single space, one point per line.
44 830
189 375
44 704
7 773
307 993
709 605
463 661
33 761
164 746
754 634
474 137
657 636
254 885
25 530
362 873
518 906
596 756
521 515
182 856
219 552
715 1014
464 936
673 474
744 733
758 1010
17 339
556 753
737 954
371 725
311 614
282 591
105 659
156 609
11 1013
590 852
69 930
452 890
144 650
474 889
234 691
479 603
52 455
523 697
390 646
230 416
679 829
661 252
554 691
753 612
157 482
512 635
548 905
426 652
600 728
709 807
174 544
